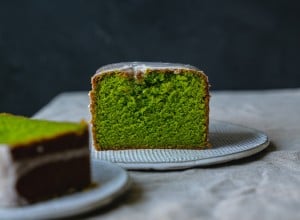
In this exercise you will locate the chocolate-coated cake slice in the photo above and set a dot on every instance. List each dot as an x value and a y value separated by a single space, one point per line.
40 159
149 105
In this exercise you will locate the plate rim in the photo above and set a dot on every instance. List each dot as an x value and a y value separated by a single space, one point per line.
40 210
180 165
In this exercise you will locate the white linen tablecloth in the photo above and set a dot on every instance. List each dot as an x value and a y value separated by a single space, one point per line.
263 186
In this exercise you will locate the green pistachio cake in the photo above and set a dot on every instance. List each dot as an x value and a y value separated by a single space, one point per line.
41 159
149 105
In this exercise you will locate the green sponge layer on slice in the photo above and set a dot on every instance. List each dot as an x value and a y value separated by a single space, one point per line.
16 130
149 105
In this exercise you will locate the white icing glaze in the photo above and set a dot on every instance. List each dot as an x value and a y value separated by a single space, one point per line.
8 195
142 67
24 166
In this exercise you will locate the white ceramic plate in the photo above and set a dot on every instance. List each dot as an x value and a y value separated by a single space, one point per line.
229 142
112 181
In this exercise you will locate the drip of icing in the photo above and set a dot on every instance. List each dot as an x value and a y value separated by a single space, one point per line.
8 195
24 166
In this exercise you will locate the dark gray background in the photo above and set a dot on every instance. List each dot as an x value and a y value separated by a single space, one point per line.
48 47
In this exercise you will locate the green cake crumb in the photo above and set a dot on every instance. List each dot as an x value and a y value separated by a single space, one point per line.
158 110
17 130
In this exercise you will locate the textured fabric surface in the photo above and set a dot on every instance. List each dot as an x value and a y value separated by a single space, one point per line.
263 186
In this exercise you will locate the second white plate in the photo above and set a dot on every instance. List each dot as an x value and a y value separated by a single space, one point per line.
111 181
229 142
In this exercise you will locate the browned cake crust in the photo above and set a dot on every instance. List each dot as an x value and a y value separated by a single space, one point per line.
57 144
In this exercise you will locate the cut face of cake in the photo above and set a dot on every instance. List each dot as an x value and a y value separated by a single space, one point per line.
149 105
40 159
